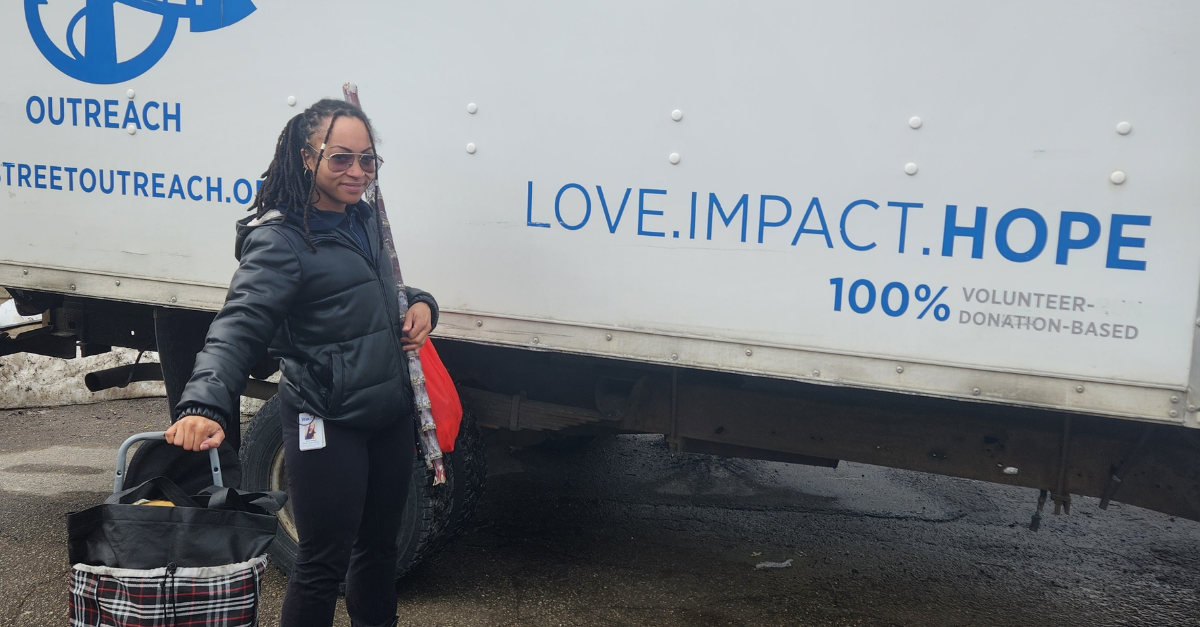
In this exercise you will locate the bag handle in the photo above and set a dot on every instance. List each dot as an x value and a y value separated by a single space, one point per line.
214 459
228 498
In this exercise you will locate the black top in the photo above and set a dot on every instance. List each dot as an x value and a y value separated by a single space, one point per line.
352 222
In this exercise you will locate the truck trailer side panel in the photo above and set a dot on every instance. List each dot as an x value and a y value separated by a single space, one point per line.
992 203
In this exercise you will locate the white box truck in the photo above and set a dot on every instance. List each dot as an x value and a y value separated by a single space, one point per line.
961 238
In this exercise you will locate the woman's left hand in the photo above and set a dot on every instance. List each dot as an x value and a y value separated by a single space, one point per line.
418 322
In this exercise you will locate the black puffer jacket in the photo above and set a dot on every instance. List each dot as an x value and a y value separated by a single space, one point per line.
330 316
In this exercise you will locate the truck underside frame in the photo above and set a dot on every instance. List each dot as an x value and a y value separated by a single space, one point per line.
535 393
1148 465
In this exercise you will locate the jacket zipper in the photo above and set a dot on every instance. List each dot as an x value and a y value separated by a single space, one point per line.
382 289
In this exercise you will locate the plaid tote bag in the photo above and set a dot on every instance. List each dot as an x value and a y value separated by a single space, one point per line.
154 556
213 596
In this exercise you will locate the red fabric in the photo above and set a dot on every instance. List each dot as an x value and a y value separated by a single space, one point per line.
447 408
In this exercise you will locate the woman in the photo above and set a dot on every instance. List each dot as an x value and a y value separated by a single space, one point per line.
315 283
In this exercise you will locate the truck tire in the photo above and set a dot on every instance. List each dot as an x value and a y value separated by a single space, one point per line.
425 516
467 473
426 511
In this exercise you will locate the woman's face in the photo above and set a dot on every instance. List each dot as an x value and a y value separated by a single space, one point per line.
338 189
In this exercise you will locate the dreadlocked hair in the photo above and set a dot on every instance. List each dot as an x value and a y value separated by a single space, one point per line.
285 185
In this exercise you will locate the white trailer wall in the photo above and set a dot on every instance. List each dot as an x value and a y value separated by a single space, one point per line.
567 225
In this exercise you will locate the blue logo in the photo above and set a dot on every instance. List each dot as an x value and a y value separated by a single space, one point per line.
98 62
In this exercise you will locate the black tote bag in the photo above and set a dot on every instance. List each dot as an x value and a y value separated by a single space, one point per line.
221 526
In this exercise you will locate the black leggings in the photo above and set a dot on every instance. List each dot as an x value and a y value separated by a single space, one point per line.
347 499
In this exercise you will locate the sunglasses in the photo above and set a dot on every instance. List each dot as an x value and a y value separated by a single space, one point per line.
341 161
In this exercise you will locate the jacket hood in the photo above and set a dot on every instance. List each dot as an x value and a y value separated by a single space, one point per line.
249 223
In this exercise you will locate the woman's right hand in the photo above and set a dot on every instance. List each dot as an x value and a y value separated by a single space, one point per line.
195 433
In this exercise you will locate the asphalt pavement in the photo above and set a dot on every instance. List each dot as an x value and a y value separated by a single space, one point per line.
619 532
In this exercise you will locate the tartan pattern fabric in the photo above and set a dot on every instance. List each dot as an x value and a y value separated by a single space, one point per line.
217 596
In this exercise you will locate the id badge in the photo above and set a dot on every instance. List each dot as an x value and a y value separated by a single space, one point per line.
312 432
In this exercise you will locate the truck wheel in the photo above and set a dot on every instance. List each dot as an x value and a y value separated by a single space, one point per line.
425 513
425 516
467 472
